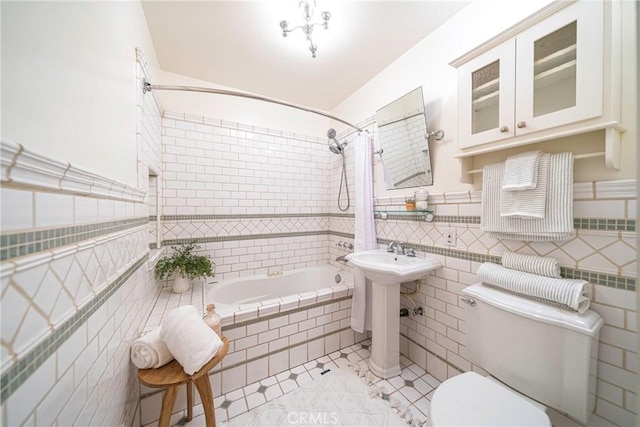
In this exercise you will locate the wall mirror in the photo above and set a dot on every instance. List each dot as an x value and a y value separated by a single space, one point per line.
402 129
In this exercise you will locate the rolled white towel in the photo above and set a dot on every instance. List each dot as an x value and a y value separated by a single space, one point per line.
572 293
149 351
189 339
543 266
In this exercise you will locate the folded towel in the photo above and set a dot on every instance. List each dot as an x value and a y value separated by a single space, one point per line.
557 224
189 338
543 266
570 293
520 171
149 351
527 203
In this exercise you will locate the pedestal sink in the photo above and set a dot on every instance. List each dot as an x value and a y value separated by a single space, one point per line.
387 270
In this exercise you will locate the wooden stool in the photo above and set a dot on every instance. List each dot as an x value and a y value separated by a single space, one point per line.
171 376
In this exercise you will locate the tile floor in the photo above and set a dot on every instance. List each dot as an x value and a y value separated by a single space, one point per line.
413 387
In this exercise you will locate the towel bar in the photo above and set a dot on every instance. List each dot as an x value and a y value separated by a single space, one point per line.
576 157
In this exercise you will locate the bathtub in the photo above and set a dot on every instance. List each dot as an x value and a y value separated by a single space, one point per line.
280 321
266 294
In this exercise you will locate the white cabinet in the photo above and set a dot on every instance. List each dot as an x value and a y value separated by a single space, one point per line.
549 76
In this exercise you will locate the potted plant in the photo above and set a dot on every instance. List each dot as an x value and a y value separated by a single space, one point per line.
185 265
410 203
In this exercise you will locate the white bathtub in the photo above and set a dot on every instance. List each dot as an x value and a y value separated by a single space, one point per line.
250 297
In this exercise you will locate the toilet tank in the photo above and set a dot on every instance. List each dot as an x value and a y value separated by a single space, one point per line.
544 352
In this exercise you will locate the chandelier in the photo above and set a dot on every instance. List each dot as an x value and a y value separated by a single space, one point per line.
307 8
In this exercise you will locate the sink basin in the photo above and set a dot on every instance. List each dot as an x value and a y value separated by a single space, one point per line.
388 268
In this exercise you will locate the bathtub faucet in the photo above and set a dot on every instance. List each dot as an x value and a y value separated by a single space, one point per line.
399 246
342 258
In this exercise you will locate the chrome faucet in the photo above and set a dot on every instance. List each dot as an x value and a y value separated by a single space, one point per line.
399 247
342 258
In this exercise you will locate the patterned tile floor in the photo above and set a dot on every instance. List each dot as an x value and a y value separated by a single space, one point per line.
413 387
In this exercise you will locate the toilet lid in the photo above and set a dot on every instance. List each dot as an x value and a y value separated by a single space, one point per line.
472 400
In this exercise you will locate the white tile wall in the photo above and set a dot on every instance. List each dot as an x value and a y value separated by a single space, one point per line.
88 380
441 330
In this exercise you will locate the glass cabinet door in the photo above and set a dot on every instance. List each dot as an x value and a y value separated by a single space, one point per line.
558 68
486 95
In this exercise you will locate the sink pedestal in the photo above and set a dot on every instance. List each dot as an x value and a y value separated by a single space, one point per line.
384 361
387 270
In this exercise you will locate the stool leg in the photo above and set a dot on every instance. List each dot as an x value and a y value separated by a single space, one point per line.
206 396
168 399
189 400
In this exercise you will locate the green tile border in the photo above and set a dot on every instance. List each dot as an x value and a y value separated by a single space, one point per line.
208 217
171 242
601 224
13 245
18 373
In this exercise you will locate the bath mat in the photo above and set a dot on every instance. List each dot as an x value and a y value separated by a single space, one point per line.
338 398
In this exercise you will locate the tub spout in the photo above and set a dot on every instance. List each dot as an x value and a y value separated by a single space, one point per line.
342 258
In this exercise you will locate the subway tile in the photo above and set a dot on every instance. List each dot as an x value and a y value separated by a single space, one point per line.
16 210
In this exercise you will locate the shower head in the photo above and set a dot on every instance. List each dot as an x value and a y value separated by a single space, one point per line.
335 148
334 145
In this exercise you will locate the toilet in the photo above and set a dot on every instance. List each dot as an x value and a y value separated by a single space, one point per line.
537 355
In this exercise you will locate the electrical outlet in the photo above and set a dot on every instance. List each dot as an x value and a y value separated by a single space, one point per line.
450 237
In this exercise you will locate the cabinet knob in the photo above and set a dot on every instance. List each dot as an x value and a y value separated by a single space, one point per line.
504 129
521 125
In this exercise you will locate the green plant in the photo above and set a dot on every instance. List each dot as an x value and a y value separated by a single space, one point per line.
184 262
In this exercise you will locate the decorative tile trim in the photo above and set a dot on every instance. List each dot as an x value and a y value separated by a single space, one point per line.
32 242
206 217
579 223
603 224
583 191
242 237
610 280
33 170
18 373
623 189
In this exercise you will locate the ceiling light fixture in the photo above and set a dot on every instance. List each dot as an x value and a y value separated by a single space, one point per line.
307 8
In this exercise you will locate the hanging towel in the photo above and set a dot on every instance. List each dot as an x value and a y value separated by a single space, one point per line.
527 203
365 230
149 351
571 293
557 224
189 339
543 266
520 172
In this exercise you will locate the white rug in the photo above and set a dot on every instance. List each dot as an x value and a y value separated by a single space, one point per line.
338 398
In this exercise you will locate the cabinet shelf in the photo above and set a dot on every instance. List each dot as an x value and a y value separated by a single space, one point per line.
492 86
486 101
556 59
555 75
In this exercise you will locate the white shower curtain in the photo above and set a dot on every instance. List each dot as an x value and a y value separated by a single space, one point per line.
365 229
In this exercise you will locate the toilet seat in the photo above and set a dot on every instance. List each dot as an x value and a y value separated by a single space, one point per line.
472 400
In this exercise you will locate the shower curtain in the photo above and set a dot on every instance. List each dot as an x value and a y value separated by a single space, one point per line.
365 229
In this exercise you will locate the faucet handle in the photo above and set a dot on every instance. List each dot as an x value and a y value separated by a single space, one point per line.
411 252
391 245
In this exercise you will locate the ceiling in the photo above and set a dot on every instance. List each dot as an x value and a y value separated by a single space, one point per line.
239 44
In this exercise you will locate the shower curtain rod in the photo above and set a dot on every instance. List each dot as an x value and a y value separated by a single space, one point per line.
148 87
